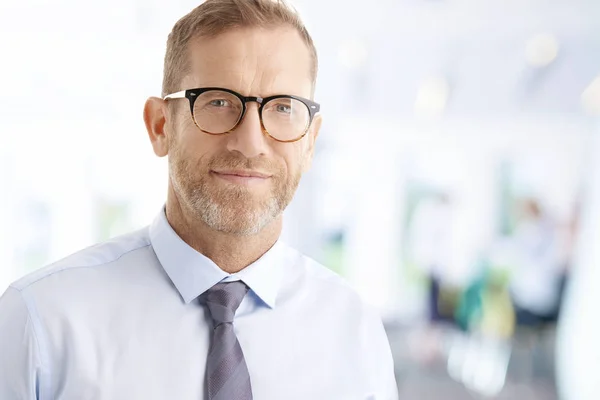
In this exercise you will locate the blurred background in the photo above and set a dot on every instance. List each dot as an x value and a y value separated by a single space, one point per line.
456 182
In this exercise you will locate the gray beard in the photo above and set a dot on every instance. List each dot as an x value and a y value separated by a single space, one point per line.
232 214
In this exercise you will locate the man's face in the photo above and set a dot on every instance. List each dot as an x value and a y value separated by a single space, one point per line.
205 169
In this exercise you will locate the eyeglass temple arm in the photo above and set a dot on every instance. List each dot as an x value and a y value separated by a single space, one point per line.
177 95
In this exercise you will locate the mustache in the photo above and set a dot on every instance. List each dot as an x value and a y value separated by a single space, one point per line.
232 161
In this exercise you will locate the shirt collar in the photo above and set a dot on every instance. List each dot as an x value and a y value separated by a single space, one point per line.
192 273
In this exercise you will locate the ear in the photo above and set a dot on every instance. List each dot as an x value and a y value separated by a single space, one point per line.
155 118
313 133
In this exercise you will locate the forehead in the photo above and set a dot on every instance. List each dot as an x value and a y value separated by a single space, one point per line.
253 61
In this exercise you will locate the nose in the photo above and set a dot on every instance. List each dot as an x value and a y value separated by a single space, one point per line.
248 138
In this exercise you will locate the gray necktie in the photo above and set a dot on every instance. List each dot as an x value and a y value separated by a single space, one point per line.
226 371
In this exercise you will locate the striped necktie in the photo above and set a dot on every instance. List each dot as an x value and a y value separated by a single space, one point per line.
226 371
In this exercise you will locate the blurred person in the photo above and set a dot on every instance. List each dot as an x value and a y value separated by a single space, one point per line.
431 239
538 268
207 302
430 247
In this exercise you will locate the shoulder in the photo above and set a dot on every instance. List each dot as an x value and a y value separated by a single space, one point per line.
113 251
331 301
321 283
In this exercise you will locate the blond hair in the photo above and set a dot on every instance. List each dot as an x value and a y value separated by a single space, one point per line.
214 17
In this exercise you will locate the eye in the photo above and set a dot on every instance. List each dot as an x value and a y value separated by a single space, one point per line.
219 103
283 108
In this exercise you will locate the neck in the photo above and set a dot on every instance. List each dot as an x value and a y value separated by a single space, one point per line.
230 252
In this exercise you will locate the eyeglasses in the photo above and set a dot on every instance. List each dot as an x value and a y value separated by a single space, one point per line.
217 111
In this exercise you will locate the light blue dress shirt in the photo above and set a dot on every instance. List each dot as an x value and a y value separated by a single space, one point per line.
122 320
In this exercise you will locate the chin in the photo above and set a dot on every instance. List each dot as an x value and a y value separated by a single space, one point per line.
243 220
244 226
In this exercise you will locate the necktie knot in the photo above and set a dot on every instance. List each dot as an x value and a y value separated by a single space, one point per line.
223 300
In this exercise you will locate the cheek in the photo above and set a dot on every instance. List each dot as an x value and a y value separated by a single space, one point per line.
295 157
196 147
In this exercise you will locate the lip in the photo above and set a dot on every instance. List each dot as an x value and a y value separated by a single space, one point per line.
243 173
243 177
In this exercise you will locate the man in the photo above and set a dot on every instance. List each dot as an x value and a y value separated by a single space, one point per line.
206 303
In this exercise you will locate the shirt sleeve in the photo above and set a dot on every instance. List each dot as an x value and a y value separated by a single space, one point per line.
19 355
380 362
